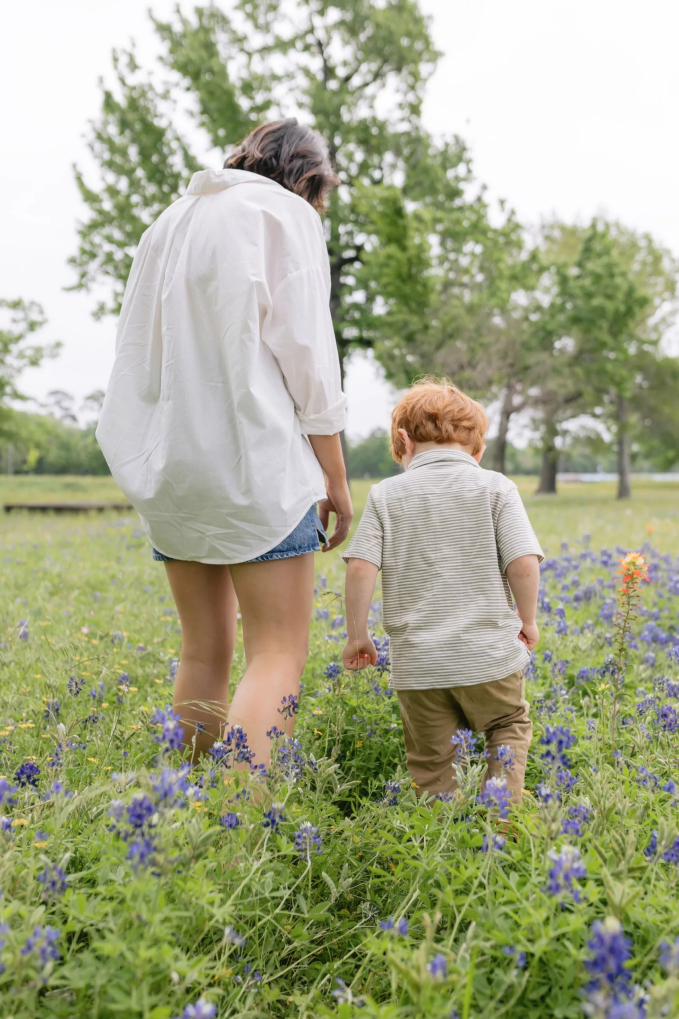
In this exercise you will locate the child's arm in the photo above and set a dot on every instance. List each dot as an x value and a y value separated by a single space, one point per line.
523 575
360 584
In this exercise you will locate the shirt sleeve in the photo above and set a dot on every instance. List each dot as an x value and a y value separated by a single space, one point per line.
513 531
300 335
368 539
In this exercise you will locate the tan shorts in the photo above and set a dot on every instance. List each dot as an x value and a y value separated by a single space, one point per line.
431 717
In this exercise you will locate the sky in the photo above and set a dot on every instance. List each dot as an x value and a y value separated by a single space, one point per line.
569 108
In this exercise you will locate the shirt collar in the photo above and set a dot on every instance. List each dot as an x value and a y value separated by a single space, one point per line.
440 456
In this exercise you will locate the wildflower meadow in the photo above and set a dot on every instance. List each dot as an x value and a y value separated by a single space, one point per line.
134 884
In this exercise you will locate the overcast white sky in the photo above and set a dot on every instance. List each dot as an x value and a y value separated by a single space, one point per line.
569 107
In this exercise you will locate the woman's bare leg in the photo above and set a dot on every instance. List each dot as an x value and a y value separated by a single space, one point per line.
207 607
276 601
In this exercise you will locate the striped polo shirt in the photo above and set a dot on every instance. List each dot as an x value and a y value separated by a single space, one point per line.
443 533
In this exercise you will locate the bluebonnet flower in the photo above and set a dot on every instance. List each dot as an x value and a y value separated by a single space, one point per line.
562 628
322 614
668 853
383 663
52 710
140 851
565 779
43 944
497 842
97 692
57 789
438 967
649 658
289 706
140 810
667 718
233 748
464 742
669 956
27 774
275 733
557 739
173 733
647 778
54 881
291 759
6 826
22 627
565 870
400 928
172 786
496 796
333 670
54 760
274 816
201 1010
506 756
93 719
7 792
391 791
609 993
673 653
670 787
584 674
307 840
337 622
117 637
578 817
254 979
547 656
518 957
343 994
232 935
229 820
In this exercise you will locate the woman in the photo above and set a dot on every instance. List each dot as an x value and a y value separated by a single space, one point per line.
222 418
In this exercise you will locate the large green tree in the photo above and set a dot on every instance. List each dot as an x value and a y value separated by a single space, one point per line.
353 69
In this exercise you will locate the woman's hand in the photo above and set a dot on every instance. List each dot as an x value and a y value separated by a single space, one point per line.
328 450
338 501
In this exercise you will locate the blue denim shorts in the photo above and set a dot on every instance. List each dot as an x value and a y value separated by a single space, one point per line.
306 537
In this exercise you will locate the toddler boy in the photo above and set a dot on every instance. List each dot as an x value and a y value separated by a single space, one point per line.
454 543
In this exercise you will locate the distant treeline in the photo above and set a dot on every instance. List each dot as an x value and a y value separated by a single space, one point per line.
42 444
371 458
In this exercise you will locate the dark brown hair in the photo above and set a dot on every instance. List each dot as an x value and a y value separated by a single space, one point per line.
292 155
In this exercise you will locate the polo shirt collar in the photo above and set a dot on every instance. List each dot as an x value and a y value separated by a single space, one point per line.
442 456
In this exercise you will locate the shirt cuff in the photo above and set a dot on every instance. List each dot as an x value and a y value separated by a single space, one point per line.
327 422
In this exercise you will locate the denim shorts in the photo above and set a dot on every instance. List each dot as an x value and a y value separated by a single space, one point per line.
306 537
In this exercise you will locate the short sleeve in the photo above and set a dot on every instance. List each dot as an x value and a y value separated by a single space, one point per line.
513 531
367 541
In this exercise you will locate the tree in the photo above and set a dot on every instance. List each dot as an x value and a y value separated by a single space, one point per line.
618 298
353 69
19 320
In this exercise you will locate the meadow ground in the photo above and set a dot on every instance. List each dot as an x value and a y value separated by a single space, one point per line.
132 887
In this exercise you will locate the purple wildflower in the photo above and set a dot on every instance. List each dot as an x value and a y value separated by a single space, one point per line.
391 793
496 842
201 1010
400 928
578 817
307 841
274 816
333 670
464 742
565 870
7 792
229 820
438 967
232 935
289 706
495 796
27 774
54 881
519 957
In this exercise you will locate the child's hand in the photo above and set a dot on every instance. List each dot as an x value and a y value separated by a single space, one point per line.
359 654
529 635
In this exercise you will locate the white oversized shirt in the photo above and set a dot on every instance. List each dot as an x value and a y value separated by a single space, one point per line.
225 361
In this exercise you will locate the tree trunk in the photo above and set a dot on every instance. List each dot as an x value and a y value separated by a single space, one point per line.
624 486
550 460
500 448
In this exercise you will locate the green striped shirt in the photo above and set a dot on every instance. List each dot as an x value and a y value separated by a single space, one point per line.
443 534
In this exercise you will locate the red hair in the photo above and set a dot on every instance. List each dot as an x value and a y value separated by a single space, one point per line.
434 410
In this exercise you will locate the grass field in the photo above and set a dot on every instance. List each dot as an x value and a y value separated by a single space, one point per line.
131 887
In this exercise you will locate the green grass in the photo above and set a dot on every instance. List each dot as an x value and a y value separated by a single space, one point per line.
147 938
